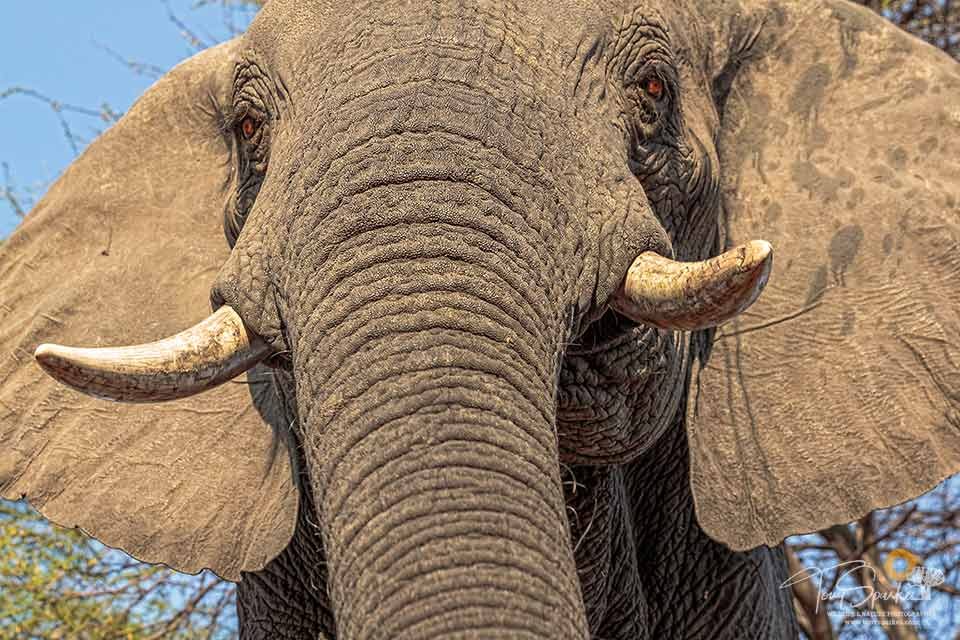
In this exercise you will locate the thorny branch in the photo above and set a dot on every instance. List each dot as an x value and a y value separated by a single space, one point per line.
105 113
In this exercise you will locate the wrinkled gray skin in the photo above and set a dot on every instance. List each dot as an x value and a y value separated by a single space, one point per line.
426 167
430 207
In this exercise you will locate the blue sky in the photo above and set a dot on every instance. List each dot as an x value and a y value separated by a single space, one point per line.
56 48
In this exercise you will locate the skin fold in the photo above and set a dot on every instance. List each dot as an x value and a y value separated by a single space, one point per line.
427 209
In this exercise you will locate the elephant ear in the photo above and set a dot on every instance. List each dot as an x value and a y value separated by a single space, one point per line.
123 249
839 392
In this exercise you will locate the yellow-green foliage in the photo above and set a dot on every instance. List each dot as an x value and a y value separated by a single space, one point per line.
58 583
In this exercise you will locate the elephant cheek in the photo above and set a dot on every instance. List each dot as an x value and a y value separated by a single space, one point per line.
619 390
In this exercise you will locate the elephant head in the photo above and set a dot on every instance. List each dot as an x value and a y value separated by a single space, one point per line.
469 245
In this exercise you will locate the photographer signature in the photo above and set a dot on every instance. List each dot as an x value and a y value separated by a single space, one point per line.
865 594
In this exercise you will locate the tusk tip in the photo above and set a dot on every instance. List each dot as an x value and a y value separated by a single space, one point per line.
761 249
52 358
47 354
755 255
764 251
759 259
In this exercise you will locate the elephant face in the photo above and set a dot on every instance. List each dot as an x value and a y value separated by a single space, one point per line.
449 232
582 164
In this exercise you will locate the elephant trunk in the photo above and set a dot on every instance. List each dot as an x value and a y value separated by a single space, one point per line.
442 507
426 365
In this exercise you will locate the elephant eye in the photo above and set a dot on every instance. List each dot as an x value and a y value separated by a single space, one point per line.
252 131
249 127
653 86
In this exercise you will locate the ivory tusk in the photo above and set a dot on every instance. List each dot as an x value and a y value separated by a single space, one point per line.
206 355
687 296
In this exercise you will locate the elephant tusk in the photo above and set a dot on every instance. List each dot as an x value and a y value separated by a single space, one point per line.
206 355
687 296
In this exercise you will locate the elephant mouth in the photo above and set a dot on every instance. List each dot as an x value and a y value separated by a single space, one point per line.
607 330
657 291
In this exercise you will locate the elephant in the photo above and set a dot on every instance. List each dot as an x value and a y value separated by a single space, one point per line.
482 361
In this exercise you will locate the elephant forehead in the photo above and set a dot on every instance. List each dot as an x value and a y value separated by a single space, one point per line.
304 36
418 83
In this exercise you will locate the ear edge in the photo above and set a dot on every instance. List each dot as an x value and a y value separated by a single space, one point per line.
748 526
